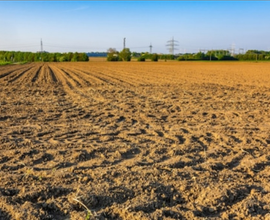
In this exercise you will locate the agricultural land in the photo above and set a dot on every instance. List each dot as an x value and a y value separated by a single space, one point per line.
135 140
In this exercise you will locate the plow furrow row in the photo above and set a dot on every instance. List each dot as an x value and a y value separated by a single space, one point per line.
19 75
34 79
6 70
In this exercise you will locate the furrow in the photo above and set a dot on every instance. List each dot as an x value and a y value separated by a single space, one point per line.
95 78
5 70
19 75
81 78
34 79
70 76
53 76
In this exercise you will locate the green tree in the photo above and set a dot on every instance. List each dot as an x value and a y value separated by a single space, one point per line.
69 56
63 58
75 57
199 56
112 54
141 59
135 54
52 57
82 57
125 54
154 57
167 57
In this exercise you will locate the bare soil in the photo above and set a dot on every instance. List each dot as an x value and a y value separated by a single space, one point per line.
165 140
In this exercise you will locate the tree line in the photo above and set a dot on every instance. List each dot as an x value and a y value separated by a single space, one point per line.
18 56
254 55
112 54
126 55
250 55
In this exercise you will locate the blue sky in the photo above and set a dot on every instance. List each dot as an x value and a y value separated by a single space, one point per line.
86 26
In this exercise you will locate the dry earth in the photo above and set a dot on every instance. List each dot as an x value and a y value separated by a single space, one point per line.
166 140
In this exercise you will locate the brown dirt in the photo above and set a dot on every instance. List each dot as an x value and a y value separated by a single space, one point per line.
166 140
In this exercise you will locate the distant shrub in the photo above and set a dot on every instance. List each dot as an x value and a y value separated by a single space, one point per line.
63 59
210 57
181 58
113 55
125 54
167 57
113 58
154 57
141 59
226 57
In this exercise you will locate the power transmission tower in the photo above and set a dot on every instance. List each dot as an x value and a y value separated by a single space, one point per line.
41 46
124 43
151 48
232 49
241 51
172 44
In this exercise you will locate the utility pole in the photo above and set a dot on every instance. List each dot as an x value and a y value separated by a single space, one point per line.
41 46
232 49
151 48
124 43
172 44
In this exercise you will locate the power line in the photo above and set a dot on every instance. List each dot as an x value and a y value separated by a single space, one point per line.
172 45
139 47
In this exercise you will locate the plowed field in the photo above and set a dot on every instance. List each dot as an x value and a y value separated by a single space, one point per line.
165 140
